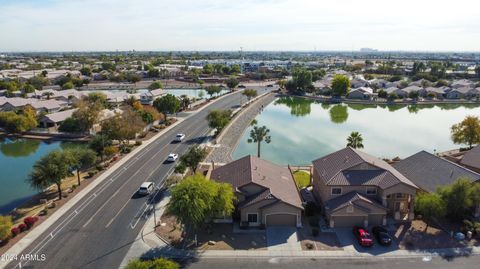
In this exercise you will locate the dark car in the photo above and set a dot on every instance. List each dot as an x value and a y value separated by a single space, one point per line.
382 236
363 237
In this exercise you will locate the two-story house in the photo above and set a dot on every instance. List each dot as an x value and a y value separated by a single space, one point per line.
358 189
266 192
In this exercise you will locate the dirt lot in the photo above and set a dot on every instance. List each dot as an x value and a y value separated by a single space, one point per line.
221 235
418 236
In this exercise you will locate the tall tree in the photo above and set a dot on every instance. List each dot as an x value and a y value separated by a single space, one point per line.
168 104
196 198
431 206
155 85
218 119
232 83
355 140
213 89
259 135
249 93
6 225
302 79
99 143
82 158
50 169
340 85
460 198
123 127
87 114
467 131
193 157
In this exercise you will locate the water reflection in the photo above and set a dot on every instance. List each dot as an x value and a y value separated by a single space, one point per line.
299 107
338 114
19 148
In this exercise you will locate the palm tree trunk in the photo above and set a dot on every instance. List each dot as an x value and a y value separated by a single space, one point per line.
59 187
78 176
258 149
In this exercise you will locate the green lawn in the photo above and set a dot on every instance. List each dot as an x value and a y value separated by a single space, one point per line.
302 178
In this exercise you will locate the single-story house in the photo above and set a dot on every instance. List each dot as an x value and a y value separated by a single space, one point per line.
462 83
55 119
414 88
49 106
147 98
359 189
471 159
429 171
399 92
17 103
360 93
458 93
440 92
266 193
358 82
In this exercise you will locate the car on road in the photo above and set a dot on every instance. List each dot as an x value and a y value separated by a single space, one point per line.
172 157
146 188
363 237
179 137
382 236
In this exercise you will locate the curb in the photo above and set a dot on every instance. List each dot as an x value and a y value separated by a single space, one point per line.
34 234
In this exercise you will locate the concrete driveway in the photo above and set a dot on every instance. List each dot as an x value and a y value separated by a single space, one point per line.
282 238
350 243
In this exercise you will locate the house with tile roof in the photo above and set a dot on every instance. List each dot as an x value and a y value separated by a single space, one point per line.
429 171
471 159
358 189
266 193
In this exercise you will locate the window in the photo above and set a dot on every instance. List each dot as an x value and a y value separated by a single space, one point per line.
252 218
371 191
336 191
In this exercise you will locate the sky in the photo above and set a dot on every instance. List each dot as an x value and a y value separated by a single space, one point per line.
205 25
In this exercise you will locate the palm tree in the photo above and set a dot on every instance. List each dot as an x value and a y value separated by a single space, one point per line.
355 140
259 134
185 101
50 169
48 95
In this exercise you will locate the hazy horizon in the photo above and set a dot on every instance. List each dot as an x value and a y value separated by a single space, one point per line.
213 25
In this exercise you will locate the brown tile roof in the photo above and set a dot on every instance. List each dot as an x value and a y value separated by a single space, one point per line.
338 168
351 198
472 158
250 169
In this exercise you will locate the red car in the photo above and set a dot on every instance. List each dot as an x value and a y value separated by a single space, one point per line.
364 238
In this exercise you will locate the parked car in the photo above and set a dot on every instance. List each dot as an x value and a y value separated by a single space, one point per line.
363 237
382 236
146 188
179 137
172 157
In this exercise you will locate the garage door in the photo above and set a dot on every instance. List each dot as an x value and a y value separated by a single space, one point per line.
347 221
281 220
374 220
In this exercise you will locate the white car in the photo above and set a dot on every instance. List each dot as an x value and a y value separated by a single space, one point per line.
146 188
172 157
179 137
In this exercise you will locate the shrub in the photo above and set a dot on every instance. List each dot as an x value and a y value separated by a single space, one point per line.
138 143
309 245
15 231
22 227
30 221
313 221
100 167
5 227
158 263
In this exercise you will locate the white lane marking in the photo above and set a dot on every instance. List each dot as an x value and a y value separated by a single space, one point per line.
118 213
90 199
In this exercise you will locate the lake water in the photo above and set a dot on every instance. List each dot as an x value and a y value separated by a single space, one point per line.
302 130
17 158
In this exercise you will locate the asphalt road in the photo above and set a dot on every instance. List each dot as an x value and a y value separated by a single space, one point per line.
98 231
281 263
